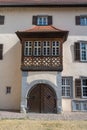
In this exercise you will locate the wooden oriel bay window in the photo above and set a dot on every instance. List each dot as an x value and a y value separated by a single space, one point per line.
42 46
42 54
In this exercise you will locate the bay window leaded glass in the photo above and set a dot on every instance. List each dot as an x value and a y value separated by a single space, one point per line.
46 48
55 48
28 48
37 48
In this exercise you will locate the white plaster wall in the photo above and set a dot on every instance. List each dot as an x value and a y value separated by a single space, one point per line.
21 19
66 105
50 76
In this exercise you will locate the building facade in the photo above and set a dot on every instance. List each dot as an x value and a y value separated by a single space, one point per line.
43 56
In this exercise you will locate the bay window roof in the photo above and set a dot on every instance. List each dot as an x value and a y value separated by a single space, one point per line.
43 32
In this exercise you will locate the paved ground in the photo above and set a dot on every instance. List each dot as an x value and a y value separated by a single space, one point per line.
34 116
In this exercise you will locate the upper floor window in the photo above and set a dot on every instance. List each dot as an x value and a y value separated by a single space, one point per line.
42 20
2 20
81 51
67 86
46 48
37 48
55 48
28 48
41 48
81 20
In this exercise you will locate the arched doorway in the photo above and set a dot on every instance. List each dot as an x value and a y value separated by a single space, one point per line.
42 99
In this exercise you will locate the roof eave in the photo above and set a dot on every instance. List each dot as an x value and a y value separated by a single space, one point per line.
42 5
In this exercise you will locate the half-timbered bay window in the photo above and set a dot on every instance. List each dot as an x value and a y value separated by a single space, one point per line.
42 46
81 51
67 87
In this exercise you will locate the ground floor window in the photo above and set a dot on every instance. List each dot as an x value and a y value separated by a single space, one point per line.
67 85
79 105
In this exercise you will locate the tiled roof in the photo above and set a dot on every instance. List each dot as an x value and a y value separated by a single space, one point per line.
43 2
43 29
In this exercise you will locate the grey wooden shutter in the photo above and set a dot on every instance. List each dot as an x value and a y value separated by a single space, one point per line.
78 88
1 51
1 20
77 51
34 20
49 20
77 20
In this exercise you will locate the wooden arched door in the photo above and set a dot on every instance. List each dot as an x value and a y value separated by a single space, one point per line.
42 99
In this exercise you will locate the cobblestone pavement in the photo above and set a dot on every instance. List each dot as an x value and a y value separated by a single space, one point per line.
37 116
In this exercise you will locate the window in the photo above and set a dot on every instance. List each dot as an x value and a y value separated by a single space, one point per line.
37 48
55 48
46 48
67 86
28 48
1 51
42 20
1 20
8 90
81 20
81 51
81 87
79 105
84 87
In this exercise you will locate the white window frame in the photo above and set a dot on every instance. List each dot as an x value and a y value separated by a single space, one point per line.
83 86
83 20
37 48
66 86
46 47
80 104
42 20
55 48
81 51
28 48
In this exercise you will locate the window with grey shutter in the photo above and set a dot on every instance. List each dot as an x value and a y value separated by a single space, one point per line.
1 51
78 88
2 20
34 21
77 20
49 20
77 51
42 20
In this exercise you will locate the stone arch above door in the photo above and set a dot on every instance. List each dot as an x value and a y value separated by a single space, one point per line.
33 83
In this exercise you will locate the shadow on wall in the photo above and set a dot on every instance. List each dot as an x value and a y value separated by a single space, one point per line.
72 53
10 75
